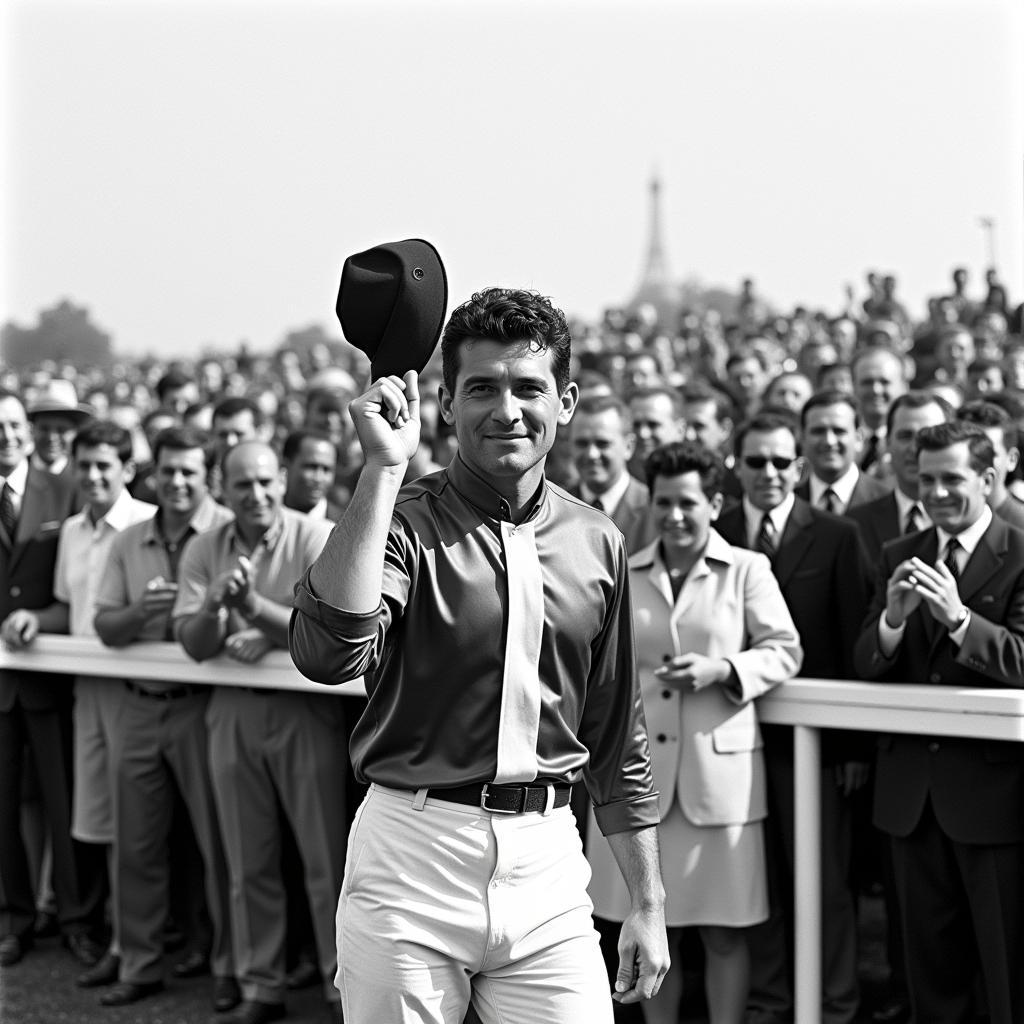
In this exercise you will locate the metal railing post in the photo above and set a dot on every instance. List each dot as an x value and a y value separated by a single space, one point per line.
807 880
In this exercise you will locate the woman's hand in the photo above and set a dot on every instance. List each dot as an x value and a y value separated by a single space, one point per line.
693 672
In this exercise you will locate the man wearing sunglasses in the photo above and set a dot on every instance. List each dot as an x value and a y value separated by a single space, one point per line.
821 568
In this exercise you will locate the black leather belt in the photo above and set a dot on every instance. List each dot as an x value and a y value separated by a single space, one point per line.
175 694
504 799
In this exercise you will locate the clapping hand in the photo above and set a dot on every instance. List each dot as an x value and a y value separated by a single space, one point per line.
915 581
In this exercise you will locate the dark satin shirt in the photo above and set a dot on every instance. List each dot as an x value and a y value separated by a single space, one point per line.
433 654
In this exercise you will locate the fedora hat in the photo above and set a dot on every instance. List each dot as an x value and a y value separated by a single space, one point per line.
59 396
391 304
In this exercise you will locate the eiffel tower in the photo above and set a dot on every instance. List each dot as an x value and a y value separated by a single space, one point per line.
656 286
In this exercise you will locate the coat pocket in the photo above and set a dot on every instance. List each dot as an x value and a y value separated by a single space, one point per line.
737 737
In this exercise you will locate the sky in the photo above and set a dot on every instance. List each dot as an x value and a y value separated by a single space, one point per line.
196 173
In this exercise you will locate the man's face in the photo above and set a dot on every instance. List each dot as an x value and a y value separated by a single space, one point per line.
987 381
53 433
790 391
831 440
310 473
329 419
654 423
601 447
766 483
1006 459
877 380
177 400
180 480
506 407
748 378
1015 369
15 436
955 353
902 446
101 476
642 371
231 430
952 493
704 426
253 486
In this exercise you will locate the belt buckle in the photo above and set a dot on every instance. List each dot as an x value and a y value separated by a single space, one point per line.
495 810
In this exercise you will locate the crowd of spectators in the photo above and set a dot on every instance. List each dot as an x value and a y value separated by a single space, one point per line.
230 860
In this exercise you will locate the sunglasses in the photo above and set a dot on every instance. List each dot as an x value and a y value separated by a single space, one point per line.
780 462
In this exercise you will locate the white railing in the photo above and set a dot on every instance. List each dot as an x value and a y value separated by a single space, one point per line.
808 705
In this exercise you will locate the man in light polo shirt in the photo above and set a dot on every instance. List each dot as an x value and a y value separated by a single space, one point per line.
267 747
161 744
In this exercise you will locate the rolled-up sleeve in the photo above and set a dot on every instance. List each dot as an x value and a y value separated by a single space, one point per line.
614 729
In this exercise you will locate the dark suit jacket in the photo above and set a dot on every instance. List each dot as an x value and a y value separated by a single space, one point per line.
866 489
976 786
879 523
824 576
632 515
26 580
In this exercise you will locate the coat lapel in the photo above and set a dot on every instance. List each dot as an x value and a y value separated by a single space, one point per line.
797 538
985 561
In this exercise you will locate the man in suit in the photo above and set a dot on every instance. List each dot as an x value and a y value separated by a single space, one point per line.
831 435
602 444
818 561
1003 434
879 378
949 610
35 709
900 511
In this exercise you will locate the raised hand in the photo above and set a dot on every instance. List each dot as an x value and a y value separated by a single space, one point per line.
387 420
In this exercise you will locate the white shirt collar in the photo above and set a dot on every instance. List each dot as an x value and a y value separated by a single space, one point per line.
778 515
18 478
968 538
611 498
843 488
119 515
903 505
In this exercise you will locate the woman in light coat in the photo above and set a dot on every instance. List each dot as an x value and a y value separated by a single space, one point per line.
713 633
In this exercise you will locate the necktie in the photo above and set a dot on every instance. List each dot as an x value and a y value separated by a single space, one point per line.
8 513
951 551
766 536
870 452
830 502
598 504
911 521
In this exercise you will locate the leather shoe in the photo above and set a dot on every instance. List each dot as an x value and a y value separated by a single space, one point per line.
253 1012
226 994
83 948
102 973
892 1011
126 992
192 965
304 974
13 948
46 925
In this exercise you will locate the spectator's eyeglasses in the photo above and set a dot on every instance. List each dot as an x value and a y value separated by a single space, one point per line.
780 462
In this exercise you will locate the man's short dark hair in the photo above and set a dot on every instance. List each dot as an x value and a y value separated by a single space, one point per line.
917 400
226 408
97 432
173 379
741 355
293 442
596 404
981 452
830 396
765 423
183 439
877 350
702 393
679 457
658 389
988 414
509 316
